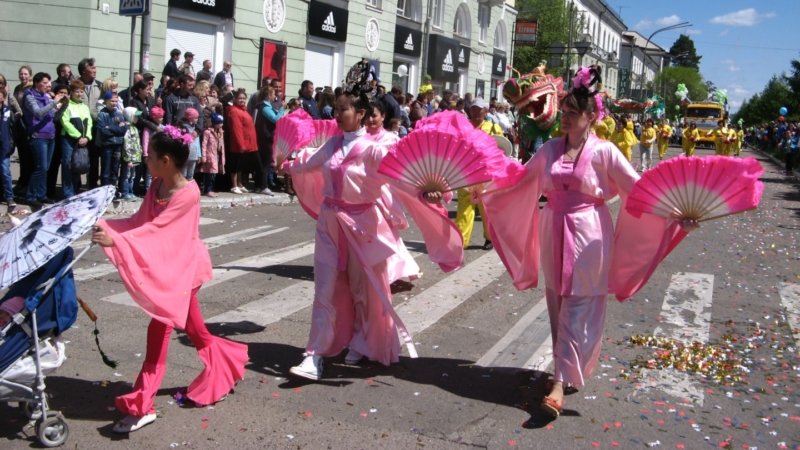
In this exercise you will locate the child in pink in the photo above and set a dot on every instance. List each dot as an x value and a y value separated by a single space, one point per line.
164 280
212 161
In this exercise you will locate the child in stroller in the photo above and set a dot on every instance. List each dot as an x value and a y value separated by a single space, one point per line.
29 349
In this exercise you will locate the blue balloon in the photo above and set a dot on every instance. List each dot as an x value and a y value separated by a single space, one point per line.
783 111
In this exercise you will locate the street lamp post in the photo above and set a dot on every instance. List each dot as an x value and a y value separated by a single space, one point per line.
644 52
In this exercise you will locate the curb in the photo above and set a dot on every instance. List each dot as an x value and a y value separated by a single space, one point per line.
778 162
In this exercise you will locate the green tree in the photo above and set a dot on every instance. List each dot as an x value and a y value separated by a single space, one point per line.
553 27
669 79
764 106
684 54
793 80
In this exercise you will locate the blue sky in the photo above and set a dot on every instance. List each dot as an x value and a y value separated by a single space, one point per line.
743 43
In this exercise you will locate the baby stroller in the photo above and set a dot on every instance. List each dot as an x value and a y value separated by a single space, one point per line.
29 349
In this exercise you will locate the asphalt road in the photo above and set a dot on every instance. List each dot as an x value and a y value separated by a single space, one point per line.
733 286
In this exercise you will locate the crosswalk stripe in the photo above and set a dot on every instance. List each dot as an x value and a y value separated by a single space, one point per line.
686 317
99 270
517 348
209 220
426 308
234 269
790 298
273 307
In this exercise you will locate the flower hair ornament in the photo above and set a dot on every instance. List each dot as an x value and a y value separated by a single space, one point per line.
178 135
587 82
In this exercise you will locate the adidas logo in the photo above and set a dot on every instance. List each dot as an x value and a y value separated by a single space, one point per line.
447 65
499 67
409 45
329 25
461 56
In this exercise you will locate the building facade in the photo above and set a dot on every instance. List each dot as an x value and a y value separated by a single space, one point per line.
602 28
642 61
463 44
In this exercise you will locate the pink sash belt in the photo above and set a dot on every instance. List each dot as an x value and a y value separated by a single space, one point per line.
563 204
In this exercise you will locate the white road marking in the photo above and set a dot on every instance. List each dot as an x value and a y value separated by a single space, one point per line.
517 348
790 298
685 317
426 308
209 221
234 269
78 245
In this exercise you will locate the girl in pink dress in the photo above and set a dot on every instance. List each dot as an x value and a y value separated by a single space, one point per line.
355 244
574 237
164 280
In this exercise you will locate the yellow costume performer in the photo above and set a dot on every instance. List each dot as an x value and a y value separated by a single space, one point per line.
722 139
604 129
624 139
689 141
739 140
465 213
646 145
664 135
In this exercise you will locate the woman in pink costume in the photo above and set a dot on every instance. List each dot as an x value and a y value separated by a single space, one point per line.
355 243
164 280
573 235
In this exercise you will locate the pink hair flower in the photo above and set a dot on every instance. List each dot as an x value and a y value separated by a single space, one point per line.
178 135
582 79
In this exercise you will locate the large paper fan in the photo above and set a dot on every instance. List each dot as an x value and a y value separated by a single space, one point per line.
323 130
689 188
292 132
432 160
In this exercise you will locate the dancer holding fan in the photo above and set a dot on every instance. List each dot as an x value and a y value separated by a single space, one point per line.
573 235
354 241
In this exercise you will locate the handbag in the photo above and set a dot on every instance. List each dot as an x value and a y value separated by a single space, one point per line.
80 160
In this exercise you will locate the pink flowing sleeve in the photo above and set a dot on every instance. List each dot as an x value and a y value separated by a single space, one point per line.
513 215
640 244
162 260
307 178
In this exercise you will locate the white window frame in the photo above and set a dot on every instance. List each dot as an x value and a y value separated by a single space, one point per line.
373 4
437 15
483 21
500 36
462 23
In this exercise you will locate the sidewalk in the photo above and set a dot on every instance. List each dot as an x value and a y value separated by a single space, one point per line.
223 200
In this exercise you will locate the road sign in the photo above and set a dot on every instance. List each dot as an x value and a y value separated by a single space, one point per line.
132 7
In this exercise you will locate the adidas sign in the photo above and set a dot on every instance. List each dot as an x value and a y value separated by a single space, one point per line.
447 65
329 25
499 67
409 44
461 56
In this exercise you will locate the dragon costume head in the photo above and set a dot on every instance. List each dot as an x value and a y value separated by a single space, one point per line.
535 95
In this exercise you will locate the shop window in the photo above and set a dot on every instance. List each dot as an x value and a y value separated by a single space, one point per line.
410 9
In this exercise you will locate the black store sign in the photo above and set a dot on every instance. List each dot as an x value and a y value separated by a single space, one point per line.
219 8
327 21
443 58
407 41
499 65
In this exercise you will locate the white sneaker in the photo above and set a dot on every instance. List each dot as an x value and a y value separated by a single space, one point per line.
353 357
133 423
236 190
266 191
243 189
310 368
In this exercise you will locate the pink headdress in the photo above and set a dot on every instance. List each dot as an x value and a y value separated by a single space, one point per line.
587 82
178 135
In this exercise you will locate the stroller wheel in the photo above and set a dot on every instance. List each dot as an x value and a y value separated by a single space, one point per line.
52 431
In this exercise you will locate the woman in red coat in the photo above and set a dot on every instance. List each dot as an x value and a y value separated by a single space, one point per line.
244 144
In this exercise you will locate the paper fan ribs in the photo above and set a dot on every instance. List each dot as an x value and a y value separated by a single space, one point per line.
432 160
698 188
292 132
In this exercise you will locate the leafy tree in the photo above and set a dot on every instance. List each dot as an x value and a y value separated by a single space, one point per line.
669 79
763 107
793 80
684 54
553 26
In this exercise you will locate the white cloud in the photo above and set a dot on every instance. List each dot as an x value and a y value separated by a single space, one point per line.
693 32
643 24
732 67
738 90
723 33
668 21
743 18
